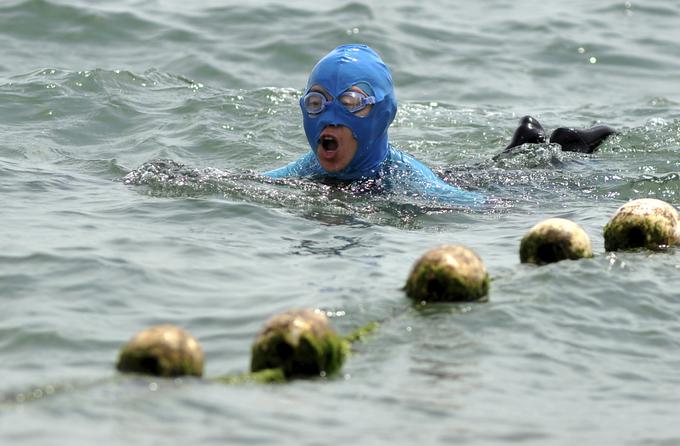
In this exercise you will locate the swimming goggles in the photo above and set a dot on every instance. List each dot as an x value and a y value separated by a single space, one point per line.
353 101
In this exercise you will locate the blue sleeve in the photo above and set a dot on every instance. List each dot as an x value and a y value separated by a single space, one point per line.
304 166
425 183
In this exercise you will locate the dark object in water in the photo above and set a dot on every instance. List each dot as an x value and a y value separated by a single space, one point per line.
530 131
581 140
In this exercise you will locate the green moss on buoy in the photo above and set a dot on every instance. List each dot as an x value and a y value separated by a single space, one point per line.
553 240
449 273
643 223
163 350
301 343
265 376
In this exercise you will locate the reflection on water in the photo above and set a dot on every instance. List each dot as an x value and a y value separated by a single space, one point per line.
337 246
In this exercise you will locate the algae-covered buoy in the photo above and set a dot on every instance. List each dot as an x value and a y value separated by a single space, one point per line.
299 342
448 273
163 350
553 240
643 223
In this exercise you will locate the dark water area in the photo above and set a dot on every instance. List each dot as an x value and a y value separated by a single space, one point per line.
133 135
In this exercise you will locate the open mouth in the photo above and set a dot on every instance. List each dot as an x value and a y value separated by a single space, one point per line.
329 143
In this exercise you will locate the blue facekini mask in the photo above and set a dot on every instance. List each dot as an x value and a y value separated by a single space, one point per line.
342 68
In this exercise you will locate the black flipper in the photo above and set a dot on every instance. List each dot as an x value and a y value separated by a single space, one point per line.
581 140
529 131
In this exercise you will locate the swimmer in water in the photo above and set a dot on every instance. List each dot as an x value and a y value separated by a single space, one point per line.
347 108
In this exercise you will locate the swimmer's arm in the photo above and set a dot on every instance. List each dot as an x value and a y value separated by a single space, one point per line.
281 172
442 191
304 166
428 185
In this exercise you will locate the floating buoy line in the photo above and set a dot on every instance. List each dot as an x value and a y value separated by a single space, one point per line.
301 343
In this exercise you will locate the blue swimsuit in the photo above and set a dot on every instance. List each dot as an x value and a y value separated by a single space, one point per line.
410 175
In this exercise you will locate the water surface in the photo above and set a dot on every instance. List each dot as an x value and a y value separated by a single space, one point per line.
100 239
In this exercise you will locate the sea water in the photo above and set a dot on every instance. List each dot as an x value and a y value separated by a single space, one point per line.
100 239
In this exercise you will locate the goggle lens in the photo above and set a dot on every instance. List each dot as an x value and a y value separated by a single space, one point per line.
315 102
354 101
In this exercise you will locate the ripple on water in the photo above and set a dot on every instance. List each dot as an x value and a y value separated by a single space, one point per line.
573 352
